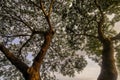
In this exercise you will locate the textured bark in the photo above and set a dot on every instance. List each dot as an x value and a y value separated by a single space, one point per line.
22 67
33 74
108 67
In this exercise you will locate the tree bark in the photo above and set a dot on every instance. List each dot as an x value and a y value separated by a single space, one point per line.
29 73
33 74
22 67
108 67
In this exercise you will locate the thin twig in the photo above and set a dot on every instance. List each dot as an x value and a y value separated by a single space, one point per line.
15 35
87 35
25 44
34 4
18 18
116 37
43 8
50 9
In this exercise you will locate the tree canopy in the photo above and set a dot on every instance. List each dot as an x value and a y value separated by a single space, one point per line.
22 29
23 26
82 26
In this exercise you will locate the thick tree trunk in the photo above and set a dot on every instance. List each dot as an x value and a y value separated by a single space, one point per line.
32 74
29 73
108 67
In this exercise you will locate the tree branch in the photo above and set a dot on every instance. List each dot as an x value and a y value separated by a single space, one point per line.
100 23
50 9
14 60
48 37
18 35
18 18
25 44
43 8
39 58
34 4
87 35
117 37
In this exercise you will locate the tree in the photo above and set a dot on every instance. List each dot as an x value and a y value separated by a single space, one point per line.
90 27
26 28
32 73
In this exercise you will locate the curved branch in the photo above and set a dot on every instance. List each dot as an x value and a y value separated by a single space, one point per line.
16 17
25 44
14 60
117 37
43 8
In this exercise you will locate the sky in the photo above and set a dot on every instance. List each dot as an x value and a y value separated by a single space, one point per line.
117 26
90 72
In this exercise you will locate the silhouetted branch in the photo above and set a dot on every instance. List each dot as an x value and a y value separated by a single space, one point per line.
31 36
25 44
18 35
16 17
34 4
117 37
14 60
42 8
87 35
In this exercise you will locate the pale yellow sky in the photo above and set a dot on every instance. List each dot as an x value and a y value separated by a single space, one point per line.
91 72
117 26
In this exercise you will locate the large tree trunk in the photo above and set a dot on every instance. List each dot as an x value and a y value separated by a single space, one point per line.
32 74
108 67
